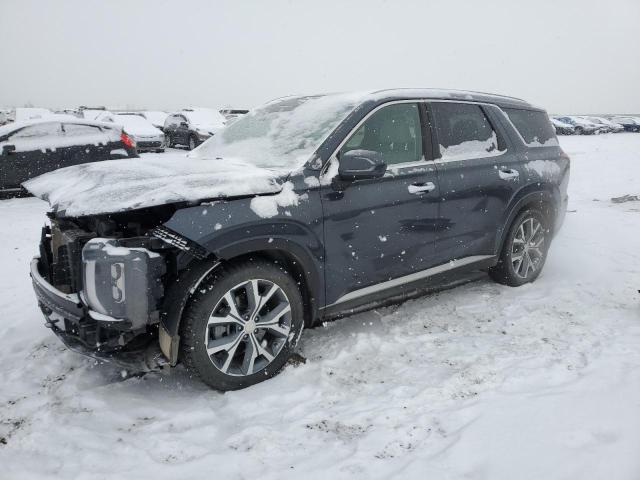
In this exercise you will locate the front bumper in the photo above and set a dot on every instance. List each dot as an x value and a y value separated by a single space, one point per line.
73 323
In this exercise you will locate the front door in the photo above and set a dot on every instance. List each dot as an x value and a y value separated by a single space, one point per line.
378 231
478 175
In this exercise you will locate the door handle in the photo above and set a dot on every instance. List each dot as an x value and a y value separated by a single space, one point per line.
420 188
508 174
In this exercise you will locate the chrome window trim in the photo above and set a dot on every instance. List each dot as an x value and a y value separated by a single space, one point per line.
422 274
347 137
333 156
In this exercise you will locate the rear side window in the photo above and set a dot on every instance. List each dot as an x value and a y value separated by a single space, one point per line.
534 127
464 132
76 130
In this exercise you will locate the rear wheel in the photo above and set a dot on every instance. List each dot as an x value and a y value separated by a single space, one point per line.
525 250
168 142
242 325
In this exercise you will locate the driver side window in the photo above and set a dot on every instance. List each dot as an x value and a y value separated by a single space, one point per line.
393 131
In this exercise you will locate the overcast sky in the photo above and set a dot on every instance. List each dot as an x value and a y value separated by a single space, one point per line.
575 56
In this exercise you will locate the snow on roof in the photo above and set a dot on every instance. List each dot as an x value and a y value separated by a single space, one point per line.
54 117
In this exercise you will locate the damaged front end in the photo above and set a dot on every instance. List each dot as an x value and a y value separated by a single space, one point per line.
100 283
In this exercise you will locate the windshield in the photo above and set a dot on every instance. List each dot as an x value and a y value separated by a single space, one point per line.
283 133
204 116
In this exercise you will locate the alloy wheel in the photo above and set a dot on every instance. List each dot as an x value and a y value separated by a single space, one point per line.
248 327
528 248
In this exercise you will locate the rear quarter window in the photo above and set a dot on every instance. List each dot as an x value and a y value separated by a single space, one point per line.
534 127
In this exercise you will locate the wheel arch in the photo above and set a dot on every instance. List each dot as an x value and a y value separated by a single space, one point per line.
292 257
542 200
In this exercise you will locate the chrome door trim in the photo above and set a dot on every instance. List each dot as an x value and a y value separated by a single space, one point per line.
395 282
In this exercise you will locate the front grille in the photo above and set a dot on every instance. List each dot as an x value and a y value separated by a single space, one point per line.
148 144
66 257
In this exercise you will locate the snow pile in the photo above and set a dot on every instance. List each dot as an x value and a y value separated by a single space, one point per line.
266 206
118 185
283 133
545 168
472 149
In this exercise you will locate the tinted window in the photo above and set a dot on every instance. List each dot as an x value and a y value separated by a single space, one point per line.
38 131
464 131
394 131
534 127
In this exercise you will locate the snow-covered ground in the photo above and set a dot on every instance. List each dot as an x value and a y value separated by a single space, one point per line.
483 381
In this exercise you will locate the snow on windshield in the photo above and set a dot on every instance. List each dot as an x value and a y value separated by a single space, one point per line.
283 133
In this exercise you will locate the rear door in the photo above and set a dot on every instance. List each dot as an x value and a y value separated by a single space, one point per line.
37 151
379 231
478 172
84 143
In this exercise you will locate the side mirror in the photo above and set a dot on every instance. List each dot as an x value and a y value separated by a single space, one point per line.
8 149
360 165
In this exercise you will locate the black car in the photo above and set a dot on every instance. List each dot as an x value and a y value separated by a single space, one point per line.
192 126
306 209
34 147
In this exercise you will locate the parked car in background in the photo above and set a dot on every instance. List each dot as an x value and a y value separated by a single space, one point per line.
582 126
92 113
630 124
22 114
562 128
156 118
310 208
34 147
608 126
192 126
146 137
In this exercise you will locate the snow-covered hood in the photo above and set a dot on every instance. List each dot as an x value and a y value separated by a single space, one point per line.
119 185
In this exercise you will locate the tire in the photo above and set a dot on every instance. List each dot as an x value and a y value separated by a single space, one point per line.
226 346
160 150
509 271
579 131
168 142
193 143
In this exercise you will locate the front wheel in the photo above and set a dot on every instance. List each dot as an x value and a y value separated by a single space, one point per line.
242 325
524 251
167 140
192 142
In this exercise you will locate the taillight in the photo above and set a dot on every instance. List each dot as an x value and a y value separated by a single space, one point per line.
126 139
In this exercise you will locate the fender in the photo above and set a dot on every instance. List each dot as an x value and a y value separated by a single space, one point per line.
231 228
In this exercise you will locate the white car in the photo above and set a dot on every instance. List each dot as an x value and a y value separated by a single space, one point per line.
146 136
562 128
28 113
156 117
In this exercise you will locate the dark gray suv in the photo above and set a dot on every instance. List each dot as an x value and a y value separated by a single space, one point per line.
305 209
